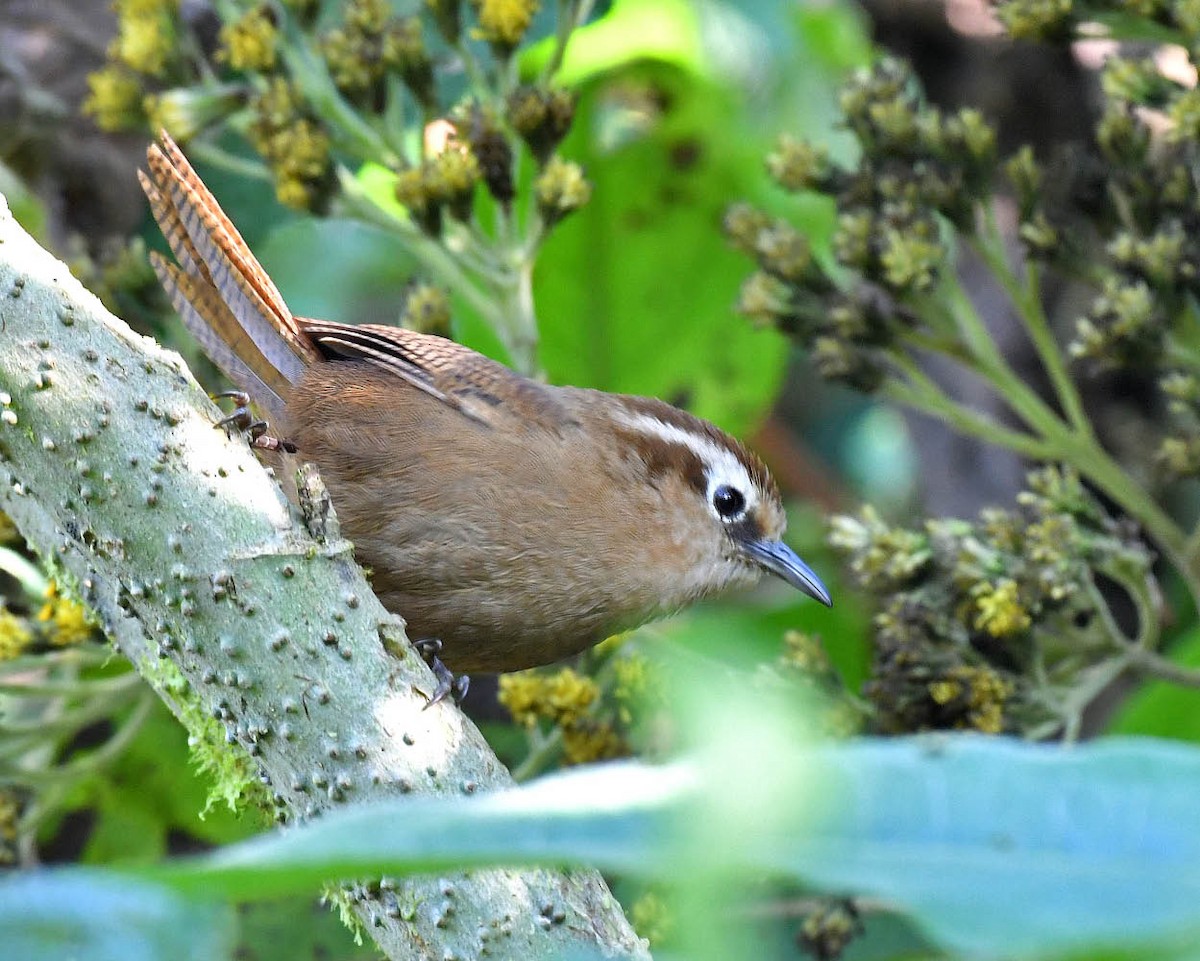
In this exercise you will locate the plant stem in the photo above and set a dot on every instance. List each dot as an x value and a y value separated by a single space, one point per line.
1027 299
31 579
990 363
921 393
215 156
519 320
74 771
1157 666
1056 441
433 256
544 749
98 688
571 14
475 74
1094 463
1091 682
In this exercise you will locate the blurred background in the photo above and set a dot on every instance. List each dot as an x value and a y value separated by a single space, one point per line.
635 292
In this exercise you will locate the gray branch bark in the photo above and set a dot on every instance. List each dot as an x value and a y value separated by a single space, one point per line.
185 547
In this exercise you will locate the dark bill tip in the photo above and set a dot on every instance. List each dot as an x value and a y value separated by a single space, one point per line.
782 561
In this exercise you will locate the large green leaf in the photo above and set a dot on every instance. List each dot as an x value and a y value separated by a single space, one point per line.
146 802
631 30
679 102
994 846
296 929
1163 708
87 915
339 270
635 293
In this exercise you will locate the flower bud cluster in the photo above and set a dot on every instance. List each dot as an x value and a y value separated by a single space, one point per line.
294 143
1147 213
427 310
371 43
143 56
445 182
503 23
829 705
567 700
1178 455
153 79
920 173
969 610
829 928
251 42
482 149
1135 195
1058 21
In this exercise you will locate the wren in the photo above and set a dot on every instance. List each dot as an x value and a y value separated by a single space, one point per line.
517 522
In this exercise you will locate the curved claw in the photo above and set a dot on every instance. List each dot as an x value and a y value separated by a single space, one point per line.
242 420
447 683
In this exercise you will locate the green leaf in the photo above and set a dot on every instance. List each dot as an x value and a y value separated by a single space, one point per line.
23 202
338 269
70 915
994 846
293 929
635 292
1163 708
150 797
632 30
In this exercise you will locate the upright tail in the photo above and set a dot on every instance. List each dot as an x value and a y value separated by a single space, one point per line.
220 290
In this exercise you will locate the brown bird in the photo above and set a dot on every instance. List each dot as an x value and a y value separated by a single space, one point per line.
517 523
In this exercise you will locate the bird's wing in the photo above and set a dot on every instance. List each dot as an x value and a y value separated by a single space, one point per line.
480 388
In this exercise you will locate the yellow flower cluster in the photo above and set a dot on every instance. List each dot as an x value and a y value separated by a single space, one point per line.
145 35
999 609
651 918
10 812
805 653
66 619
590 740
561 698
560 189
15 634
427 309
503 23
984 691
249 43
564 699
145 46
373 41
114 98
296 147
445 181
829 929
637 686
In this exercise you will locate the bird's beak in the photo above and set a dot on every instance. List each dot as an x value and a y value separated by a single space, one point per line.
782 561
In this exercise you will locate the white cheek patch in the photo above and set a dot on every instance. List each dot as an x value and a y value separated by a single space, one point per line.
721 465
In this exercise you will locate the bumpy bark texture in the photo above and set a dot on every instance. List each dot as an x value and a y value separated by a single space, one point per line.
186 549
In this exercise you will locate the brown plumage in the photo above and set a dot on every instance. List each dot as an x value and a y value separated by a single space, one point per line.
516 522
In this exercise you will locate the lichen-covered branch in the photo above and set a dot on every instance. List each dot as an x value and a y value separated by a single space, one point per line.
251 627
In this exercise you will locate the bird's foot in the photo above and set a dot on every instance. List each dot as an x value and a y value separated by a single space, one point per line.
243 420
447 684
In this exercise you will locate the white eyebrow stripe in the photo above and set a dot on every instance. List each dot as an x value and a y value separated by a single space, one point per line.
721 464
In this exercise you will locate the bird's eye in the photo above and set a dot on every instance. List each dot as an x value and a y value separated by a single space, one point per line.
729 501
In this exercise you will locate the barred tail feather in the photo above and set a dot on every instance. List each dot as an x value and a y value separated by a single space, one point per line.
221 291
219 335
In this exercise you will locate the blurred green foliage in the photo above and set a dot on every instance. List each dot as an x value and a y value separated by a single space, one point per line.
955 845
